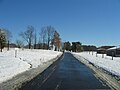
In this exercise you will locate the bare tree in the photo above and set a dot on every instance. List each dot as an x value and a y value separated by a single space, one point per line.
39 43
8 37
56 41
35 40
19 43
50 32
47 34
28 35
43 36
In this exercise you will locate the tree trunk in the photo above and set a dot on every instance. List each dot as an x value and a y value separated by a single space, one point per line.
29 45
48 43
1 47
8 45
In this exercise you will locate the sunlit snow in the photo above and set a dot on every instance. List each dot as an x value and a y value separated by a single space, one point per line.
112 66
24 60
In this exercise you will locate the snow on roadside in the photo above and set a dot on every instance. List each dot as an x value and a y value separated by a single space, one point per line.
106 63
37 57
11 66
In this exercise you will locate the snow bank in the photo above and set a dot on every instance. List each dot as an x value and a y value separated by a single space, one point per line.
37 57
25 60
112 66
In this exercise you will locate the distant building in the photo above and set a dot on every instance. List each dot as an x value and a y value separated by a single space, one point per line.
115 51
103 49
89 48
27 47
106 47
12 45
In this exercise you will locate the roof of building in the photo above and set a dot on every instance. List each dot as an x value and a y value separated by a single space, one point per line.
101 49
117 47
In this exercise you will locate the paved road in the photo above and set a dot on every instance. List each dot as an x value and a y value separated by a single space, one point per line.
66 74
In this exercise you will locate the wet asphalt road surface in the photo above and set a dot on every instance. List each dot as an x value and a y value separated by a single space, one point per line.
66 74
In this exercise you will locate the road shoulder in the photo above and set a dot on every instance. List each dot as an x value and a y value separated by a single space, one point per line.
100 73
20 79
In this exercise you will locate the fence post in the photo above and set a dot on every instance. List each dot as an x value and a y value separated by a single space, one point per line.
96 54
16 49
112 55
103 55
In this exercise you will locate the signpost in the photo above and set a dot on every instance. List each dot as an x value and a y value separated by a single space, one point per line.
16 49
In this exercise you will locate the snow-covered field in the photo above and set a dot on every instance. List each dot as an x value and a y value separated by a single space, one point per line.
25 60
112 66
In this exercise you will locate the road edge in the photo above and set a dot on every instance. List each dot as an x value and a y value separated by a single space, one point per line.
17 81
100 73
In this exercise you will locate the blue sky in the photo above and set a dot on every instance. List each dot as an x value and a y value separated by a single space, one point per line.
94 22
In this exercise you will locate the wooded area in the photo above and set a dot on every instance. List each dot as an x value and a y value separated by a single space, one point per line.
46 38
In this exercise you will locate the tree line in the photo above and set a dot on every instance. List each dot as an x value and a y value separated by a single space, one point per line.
5 36
74 46
78 47
46 38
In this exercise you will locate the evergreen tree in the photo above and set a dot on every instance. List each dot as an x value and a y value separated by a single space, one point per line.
67 46
77 47
2 39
